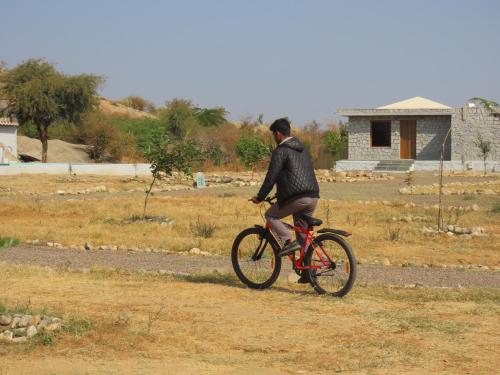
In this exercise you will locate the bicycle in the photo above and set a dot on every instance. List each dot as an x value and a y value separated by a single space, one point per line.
327 259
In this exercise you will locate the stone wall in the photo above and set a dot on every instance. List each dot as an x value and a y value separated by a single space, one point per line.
431 132
467 124
359 141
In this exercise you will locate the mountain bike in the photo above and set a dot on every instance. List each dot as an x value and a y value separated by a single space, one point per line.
327 258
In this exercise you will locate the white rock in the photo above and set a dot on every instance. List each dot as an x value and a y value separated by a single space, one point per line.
195 251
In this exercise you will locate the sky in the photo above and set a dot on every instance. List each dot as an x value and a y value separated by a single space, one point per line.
296 58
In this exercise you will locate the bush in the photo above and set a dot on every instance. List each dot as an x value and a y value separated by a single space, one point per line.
251 150
8 242
199 229
105 141
496 207
138 103
142 130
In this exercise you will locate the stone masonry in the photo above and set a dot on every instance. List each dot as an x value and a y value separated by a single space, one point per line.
431 131
467 124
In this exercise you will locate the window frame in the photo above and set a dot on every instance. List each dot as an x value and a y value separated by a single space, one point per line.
390 133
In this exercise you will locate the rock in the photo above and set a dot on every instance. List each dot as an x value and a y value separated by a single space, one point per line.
60 192
386 262
293 277
88 246
31 331
35 320
163 272
24 321
5 320
475 207
451 234
19 332
19 340
195 251
50 244
15 322
6 336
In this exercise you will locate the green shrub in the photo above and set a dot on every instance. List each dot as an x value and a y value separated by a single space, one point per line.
8 242
251 150
496 207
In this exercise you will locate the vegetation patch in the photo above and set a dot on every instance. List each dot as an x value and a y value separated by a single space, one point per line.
134 219
8 242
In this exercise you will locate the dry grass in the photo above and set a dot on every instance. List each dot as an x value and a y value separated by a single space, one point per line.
98 218
143 325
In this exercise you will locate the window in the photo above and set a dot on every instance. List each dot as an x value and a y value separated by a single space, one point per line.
381 133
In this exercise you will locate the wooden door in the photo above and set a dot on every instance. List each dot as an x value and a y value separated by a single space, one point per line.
408 144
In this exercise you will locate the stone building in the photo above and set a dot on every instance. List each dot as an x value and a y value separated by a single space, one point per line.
410 135
8 140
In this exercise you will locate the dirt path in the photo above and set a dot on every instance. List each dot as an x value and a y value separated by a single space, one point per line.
134 261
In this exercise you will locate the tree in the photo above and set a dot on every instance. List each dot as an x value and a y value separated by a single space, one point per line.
181 117
335 143
39 94
484 149
166 156
486 103
251 150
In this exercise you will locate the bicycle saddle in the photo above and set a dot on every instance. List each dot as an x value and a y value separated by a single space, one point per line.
311 221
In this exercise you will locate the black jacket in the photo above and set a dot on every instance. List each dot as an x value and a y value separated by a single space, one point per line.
291 169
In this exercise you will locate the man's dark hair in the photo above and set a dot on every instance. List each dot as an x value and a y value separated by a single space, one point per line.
281 125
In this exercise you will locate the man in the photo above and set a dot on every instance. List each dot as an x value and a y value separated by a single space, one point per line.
297 189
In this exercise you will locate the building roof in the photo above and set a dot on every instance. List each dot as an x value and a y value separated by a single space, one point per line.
6 121
416 102
416 106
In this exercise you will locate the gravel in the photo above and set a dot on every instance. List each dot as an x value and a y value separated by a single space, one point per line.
412 276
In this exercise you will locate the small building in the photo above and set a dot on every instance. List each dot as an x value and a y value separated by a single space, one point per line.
8 140
410 134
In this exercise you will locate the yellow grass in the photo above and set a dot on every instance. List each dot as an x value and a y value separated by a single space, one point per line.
146 325
73 220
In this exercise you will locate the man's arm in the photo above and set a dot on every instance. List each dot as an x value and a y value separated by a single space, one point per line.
278 159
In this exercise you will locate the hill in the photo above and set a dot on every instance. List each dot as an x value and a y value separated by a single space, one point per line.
114 108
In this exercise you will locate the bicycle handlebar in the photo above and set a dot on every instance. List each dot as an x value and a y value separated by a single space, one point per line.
270 200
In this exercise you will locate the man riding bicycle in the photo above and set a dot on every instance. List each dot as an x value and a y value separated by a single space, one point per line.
297 190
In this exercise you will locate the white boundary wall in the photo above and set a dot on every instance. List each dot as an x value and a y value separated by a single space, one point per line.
421 165
67 168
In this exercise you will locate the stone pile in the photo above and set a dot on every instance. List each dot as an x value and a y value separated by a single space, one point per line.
19 328
456 230
97 189
454 188
410 218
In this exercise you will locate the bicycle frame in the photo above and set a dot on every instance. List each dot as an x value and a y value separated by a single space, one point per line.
308 241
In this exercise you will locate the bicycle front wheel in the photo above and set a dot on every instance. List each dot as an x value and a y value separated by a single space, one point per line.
333 266
254 259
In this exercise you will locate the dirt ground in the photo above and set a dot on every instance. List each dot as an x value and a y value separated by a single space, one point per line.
206 265
158 325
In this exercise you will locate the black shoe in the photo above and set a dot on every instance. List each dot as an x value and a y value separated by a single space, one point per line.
289 248
304 278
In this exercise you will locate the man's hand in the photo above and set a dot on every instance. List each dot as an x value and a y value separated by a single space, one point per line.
254 200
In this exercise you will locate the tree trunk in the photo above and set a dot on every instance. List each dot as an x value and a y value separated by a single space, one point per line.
147 196
44 138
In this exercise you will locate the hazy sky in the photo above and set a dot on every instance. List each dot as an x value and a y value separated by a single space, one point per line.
303 59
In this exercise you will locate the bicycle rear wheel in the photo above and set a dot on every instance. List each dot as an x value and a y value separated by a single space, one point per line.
254 259
335 262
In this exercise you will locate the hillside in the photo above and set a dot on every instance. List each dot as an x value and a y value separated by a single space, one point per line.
30 149
114 108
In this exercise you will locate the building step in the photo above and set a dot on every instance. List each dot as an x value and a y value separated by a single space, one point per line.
394 165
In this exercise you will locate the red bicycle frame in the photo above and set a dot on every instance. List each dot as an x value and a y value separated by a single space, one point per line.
308 241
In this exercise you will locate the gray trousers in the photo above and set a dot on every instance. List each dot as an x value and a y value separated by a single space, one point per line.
296 207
